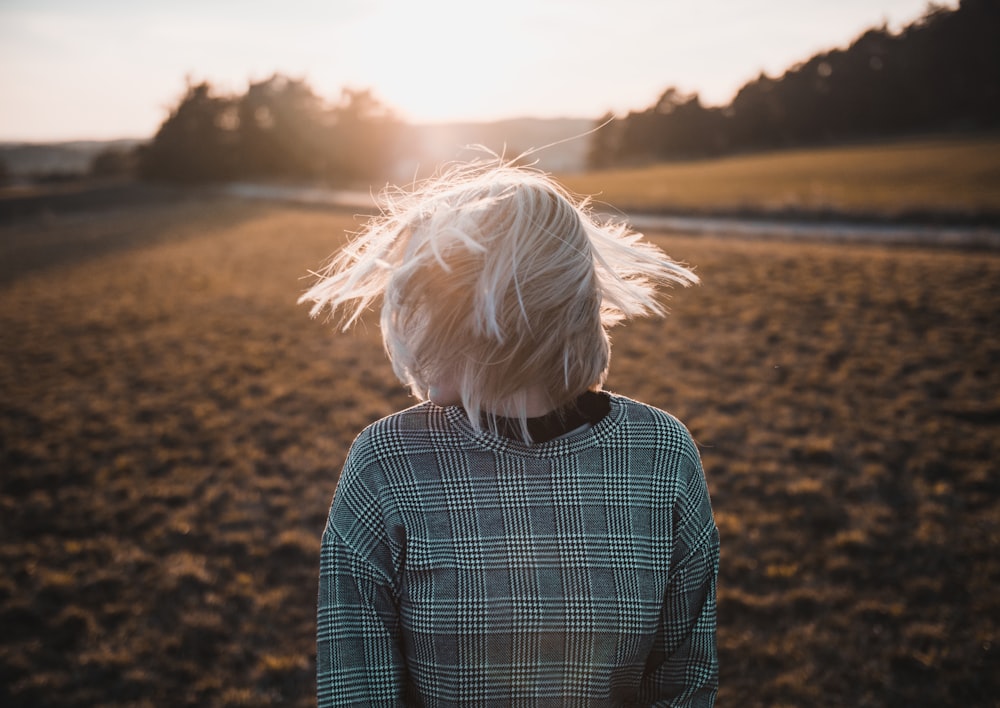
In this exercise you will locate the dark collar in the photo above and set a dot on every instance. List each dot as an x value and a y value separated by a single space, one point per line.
589 407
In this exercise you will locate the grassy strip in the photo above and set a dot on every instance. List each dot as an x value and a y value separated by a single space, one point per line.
946 177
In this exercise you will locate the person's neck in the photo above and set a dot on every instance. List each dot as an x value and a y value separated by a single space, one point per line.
537 404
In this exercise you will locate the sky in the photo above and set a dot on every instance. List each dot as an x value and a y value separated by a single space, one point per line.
104 69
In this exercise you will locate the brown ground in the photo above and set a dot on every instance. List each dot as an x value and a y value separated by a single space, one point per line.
172 426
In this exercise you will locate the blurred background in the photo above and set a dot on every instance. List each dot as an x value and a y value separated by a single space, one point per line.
355 93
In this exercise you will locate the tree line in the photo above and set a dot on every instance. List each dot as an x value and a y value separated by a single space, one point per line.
279 128
939 74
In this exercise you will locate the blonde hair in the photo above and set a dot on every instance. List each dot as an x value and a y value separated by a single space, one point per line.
496 279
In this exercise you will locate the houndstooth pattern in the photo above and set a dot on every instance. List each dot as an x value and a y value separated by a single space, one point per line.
463 568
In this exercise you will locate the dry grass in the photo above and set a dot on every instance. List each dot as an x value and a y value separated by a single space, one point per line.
951 176
172 426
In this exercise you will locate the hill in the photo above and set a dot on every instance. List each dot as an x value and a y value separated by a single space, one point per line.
438 143
32 160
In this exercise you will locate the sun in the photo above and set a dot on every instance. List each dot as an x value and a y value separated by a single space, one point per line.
445 60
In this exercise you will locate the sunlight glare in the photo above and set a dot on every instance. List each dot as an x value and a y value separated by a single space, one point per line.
444 59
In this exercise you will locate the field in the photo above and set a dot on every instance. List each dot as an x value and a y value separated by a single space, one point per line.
172 426
953 178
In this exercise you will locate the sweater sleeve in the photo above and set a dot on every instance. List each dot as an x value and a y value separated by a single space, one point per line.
683 668
359 661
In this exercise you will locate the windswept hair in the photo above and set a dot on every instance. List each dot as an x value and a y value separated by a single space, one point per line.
495 279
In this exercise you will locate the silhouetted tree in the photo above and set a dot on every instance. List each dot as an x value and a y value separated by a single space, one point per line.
197 142
278 129
603 149
366 137
283 129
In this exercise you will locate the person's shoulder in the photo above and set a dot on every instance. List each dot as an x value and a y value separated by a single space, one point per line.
400 433
654 424
644 413
378 451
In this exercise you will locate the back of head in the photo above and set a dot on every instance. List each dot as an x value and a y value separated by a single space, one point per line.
497 282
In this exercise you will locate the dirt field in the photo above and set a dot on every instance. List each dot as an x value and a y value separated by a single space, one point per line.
172 426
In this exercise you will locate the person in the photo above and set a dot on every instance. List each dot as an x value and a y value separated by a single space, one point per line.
520 536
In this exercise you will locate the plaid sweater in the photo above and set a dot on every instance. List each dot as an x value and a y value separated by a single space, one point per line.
463 568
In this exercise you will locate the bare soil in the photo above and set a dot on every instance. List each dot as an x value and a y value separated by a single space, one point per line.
172 426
